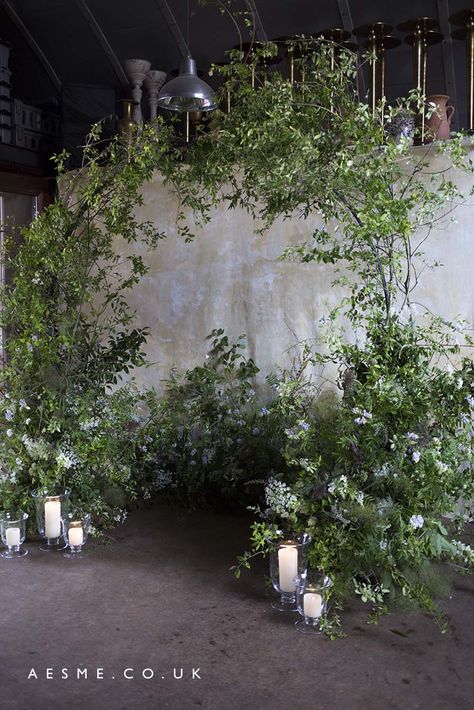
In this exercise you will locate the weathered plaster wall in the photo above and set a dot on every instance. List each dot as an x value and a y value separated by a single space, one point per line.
231 278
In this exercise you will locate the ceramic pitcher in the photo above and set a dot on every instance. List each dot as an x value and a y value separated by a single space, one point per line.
439 124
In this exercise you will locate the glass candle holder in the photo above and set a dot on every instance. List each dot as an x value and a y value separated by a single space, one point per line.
312 596
76 528
13 532
288 559
50 510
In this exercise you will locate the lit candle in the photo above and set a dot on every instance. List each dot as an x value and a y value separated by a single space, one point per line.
288 567
12 536
76 536
52 518
312 605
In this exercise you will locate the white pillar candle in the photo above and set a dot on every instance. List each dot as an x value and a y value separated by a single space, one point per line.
76 536
12 536
288 567
52 518
312 605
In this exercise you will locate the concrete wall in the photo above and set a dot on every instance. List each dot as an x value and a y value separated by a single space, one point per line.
231 278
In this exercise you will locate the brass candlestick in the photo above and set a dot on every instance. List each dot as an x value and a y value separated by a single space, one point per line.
423 34
378 41
228 102
296 48
339 39
465 18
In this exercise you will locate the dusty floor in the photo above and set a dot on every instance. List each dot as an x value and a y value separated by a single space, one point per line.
161 597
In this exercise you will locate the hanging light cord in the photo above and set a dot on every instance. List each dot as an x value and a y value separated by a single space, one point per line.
187 27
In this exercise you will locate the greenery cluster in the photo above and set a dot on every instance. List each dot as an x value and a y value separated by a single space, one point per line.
371 475
369 467
70 334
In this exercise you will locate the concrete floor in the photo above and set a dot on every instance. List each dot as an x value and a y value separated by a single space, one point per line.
161 597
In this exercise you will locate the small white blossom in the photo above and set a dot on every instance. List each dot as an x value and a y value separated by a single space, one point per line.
65 460
279 498
416 456
264 412
416 521
9 432
9 415
412 436
364 416
382 472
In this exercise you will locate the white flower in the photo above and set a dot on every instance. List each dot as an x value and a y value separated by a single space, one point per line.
23 404
364 416
360 497
459 383
412 436
279 498
27 421
416 521
383 544
9 432
416 456
338 486
382 472
264 412
9 414
65 461
470 401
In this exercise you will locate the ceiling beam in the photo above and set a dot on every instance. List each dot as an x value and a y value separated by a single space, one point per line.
103 41
174 27
18 22
256 21
348 24
448 54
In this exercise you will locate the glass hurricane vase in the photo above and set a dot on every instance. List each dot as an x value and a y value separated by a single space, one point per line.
76 528
312 597
288 560
13 532
51 507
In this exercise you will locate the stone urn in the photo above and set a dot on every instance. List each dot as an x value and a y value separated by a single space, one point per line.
136 71
438 126
153 82
401 126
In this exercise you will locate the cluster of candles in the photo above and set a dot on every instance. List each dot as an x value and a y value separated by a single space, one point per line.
59 527
301 589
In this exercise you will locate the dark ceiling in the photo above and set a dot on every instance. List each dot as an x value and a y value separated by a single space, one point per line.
81 41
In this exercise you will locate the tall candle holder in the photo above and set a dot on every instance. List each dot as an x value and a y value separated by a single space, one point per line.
12 533
289 43
76 528
423 34
136 71
465 19
50 510
378 42
312 596
288 559
154 80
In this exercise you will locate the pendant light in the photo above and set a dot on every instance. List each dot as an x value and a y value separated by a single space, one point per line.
187 92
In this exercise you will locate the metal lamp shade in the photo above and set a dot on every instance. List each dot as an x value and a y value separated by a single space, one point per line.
187 92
